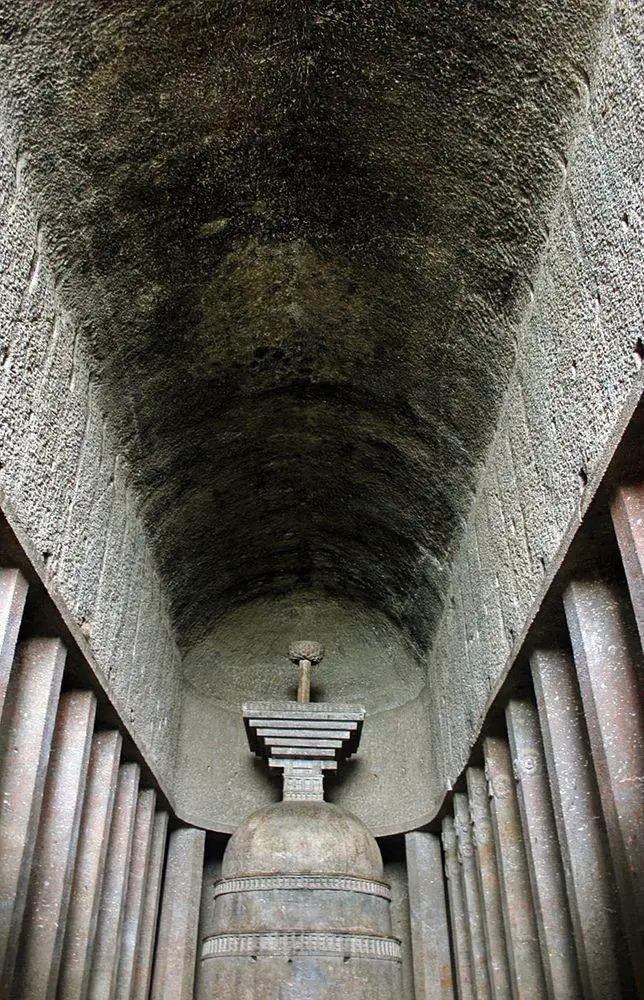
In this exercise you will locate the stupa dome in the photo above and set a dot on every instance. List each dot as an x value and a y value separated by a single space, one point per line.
302 837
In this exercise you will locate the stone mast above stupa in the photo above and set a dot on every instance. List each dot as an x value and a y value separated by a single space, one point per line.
302 909
303 738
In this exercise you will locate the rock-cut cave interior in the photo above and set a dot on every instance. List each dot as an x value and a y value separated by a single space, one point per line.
323 321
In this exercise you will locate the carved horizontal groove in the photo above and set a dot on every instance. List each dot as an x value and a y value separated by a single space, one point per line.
337 883
288 943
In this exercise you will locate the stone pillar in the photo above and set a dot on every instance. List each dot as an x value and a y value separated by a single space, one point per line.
43 927
581 832
133 907
96 819
488 880
610 666
13 592
176 951
462 959
542 849
471 894
516 895
150 910
429 930
25 741
102 980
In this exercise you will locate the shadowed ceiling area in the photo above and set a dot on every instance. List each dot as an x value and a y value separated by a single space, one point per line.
297 238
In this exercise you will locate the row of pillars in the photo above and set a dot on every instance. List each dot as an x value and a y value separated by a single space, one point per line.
97 901
535 887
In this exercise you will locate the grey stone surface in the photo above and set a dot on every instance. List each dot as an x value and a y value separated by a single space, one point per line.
303 890
64 478
375 350
577 372
302 838
364 654
270 304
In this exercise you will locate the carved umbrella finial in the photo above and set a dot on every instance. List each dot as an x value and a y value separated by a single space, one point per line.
305 653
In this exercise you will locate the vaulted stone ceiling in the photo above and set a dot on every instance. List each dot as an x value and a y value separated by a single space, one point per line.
298 240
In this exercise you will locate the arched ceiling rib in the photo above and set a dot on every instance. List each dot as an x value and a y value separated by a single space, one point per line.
298 236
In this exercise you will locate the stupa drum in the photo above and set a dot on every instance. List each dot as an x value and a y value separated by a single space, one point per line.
302 911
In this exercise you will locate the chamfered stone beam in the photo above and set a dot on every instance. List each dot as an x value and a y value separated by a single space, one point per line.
150 910
109 929
13 592
488 881
91 852
458 919
474 918
580 826
516 897
139 862
43 926
428 913
610 667
542 849
25 739
628 519
176 950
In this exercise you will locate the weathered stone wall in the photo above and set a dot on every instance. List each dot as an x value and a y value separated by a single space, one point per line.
579 352
65 482
576 379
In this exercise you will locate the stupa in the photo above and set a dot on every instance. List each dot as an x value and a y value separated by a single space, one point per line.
302 911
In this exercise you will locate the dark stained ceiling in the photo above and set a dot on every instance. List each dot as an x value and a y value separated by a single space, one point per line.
298 238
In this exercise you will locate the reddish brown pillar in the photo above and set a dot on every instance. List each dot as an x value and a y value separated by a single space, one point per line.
141 843
25 741
176 951
516 896
542 850
488 880
580 828
90 861
610 667
628 519
102 979
462 960
428 915
150 911
474 919
43 925
13 592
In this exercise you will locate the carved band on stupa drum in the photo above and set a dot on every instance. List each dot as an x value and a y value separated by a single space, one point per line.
302 901
336 883
290 943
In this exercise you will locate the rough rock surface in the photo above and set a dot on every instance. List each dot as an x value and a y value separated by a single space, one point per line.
296 237
292 284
